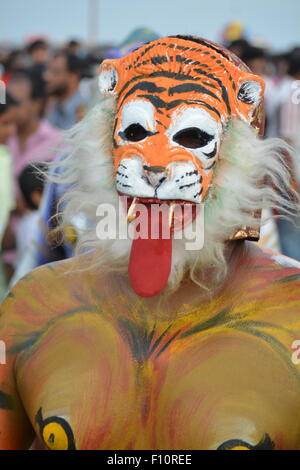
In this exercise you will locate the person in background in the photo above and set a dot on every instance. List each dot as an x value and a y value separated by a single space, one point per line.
7 128
35 139
277 91
73 47
239 46
289 232
31 182
290 109
256 59
62 77
38 51
14 60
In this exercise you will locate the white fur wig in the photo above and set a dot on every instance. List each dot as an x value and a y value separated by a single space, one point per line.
245 165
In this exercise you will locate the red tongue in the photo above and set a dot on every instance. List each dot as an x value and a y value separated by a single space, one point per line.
150 263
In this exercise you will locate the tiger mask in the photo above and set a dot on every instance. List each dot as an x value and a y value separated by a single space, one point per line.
178 124
174 97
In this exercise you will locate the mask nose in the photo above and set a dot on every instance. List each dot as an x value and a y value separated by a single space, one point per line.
155 175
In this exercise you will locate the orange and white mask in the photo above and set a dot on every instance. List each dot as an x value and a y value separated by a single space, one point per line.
174 96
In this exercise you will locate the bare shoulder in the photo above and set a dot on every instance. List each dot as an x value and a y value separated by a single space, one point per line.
266 296
282 260
43 295
271 261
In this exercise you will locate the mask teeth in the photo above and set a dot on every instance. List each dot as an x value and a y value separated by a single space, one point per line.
171 214
131 215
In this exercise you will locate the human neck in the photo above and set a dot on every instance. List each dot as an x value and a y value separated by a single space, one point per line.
208 285
28 129
73 87
170 305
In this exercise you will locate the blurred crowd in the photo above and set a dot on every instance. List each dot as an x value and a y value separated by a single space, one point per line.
49 89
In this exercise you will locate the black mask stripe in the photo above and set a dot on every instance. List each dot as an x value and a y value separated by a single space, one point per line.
182 78
115 125
161 73
211 154
159 59
210 166
158 103
206 105
224 91
187 87
150 87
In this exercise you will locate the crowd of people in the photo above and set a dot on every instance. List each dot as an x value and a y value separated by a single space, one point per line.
48 90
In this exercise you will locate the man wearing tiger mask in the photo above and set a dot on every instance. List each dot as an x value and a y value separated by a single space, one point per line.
141 343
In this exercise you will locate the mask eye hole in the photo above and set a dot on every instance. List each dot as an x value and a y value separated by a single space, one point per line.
192 138
135 133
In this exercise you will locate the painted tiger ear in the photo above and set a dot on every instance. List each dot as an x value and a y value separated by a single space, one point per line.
251 91
108 78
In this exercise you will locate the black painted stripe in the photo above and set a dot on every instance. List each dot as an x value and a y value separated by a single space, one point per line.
216 79
150 87
219 319
211 154
115 145
159 60
124 185
199 193
185 60
189 185
205 105
147 49
122 174
159 103
181 77
6 401
188 87
204 43
211 85
210 166
145 52
115 125
182 48
161 124
144 62
156 101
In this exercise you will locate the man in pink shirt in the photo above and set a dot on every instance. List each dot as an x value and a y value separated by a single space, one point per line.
35 140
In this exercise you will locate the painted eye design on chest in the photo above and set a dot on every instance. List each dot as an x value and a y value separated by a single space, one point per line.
55 432
192 138
266 443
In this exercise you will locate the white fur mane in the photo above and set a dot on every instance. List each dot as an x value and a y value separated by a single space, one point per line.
238 190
